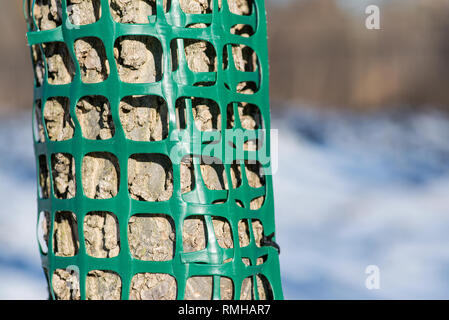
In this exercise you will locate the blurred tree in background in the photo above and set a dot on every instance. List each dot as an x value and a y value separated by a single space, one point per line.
16 76
321 54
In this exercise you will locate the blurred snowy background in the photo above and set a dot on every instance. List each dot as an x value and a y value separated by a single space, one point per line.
351 191
364 182
357 190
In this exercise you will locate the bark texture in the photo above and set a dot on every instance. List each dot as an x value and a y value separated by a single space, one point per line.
150 177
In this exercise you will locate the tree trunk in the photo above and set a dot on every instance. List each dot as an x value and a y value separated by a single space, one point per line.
143 118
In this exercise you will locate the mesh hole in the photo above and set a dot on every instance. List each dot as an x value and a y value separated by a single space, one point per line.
223 232
198 25
38 65
196 7
90 53
247 290
245 59
264 288
38 128
153 286
187 174
103 285
66 284
236 174
57 118
257 231
151 237
250 116
257 203
225 58
101 234
150 177
200 55
101 175
174 55
206 114
144 118
181 114
243 233
253 145
239 203
63 171
261 260
194 234
247 87
246 262
43 230
255 174
167 5
204 83
133 12
83 12
230 120
199 288
44 178
242 7
95 118
48 14
213 173
226 288
65 236
138 59
58 73
256 179
243 30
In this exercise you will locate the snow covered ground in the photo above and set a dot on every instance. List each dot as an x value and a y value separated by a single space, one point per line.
351 191
20 273
367 190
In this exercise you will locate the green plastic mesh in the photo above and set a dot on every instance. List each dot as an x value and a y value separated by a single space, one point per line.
167 27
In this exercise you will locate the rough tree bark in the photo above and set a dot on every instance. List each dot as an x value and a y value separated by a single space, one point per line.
144 118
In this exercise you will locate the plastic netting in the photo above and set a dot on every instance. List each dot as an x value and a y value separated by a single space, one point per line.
167 27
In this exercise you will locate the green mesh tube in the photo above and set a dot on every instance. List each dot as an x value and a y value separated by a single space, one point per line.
226 145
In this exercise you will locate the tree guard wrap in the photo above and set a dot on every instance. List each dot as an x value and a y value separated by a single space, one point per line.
233 203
